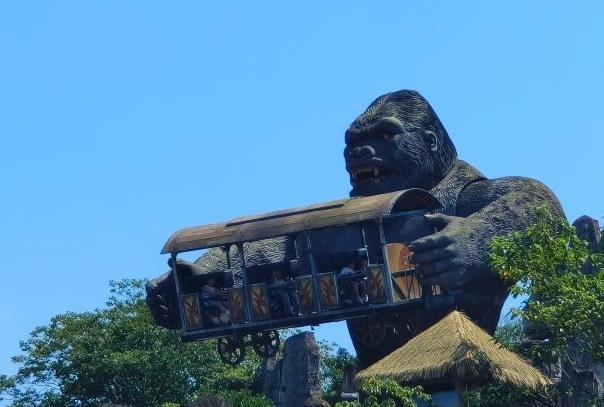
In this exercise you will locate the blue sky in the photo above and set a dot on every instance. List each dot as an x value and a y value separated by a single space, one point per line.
122 121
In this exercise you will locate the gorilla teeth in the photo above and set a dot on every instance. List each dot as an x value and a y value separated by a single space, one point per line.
366 174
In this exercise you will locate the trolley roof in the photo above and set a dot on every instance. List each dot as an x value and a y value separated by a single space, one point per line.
291 221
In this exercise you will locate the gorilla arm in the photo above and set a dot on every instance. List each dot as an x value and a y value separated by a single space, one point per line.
161 294
458 252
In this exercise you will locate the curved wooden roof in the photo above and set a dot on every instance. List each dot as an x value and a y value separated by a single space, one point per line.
295 220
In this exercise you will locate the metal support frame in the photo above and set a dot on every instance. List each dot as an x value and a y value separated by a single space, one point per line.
365 245
407 214
293 238
313 270
386 261
227 249
364 241
246 294
181 309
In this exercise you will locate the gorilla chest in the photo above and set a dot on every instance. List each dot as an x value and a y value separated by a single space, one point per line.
447 191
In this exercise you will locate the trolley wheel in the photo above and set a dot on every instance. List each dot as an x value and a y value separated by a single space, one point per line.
231 349
266 343
369 331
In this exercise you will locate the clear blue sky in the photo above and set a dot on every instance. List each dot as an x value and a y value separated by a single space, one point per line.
122 121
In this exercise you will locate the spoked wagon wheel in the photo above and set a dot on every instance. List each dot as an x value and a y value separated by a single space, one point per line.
369 331
231 350
266 343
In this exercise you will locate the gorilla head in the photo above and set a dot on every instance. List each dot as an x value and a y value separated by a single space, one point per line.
397 143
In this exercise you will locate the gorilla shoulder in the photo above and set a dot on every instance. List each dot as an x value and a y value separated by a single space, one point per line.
509 194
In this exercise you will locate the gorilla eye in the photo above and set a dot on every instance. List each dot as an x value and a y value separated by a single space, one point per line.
387 136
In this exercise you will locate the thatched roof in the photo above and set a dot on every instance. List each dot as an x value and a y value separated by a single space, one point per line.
455 349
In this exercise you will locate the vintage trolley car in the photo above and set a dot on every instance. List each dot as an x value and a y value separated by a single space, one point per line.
347 259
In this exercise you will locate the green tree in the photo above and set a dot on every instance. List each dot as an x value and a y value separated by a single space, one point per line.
334 361
386 393
505 395
549 261
117 354
511 334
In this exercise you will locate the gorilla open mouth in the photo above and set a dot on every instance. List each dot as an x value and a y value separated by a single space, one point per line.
369 174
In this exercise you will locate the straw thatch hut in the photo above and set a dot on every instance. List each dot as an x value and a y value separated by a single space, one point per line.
456 354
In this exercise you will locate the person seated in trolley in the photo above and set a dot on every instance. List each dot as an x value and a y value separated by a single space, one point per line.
282 300
213 302
352 277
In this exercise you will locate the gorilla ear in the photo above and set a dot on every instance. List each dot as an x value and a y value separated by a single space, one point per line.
430 139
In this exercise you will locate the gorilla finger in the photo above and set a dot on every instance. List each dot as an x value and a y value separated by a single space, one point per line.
429 243
438 267
439 220
151 301
430 256
163 309
154 300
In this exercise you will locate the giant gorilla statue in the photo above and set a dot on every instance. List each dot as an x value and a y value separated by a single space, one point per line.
400 143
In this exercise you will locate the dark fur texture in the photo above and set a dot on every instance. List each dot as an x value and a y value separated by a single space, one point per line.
399 143
395 132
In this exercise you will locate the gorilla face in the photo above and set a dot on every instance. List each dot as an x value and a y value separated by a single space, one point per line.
388 158
398 143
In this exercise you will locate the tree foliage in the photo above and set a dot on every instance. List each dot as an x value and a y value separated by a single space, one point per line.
334 361
118 355
386 393
505 395
511 334
563 280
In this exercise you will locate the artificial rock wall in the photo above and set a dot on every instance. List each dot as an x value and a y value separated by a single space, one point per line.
294 377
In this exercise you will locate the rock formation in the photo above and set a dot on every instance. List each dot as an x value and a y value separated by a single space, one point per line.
291 379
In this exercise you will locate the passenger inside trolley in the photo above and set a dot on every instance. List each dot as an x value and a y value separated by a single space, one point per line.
283 296
351 279
213 303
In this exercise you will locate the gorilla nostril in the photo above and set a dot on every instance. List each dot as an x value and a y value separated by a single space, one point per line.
362 152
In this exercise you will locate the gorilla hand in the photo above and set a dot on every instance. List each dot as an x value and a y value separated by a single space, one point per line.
161 300
161 295
447 257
